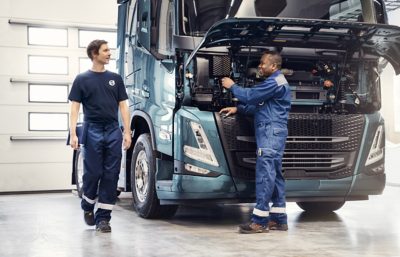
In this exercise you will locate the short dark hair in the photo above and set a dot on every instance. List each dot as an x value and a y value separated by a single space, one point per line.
94 46
274 57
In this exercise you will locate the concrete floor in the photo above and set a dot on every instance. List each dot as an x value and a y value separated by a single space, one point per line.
52 225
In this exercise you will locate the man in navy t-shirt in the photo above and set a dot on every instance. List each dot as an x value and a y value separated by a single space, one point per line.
101 93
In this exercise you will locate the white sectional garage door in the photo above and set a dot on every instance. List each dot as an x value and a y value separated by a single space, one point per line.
43 49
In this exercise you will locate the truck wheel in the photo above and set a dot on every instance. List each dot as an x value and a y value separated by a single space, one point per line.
78 167
143 180
320 206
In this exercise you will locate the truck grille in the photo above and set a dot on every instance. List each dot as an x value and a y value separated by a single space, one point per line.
318 146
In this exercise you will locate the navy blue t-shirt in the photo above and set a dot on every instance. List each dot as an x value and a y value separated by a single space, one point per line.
100 94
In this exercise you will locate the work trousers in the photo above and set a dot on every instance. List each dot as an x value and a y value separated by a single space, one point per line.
102 163
270 184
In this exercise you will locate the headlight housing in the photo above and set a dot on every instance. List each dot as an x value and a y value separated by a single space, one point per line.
204 152
376 152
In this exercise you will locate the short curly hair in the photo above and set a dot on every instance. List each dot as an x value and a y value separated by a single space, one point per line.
94 46
274 57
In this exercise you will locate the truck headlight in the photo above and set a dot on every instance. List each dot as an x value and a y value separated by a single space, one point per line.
376 152
204 152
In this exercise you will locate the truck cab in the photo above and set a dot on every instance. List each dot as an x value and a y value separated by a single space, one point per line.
172 55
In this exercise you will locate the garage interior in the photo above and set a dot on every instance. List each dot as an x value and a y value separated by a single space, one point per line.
40 211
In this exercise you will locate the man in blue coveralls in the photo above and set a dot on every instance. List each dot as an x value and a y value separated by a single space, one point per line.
269 102
101 93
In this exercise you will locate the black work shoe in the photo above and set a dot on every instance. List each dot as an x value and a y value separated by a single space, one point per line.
272 225
252 228
89 218
103 226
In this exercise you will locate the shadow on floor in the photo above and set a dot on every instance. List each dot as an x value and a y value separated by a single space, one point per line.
227 214
313 217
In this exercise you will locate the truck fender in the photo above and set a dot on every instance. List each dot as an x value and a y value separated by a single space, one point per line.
139 128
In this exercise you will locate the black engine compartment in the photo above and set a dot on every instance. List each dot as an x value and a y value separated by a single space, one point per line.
321 81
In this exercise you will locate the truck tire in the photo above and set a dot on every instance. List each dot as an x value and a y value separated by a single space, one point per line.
320 206
143 179
78 167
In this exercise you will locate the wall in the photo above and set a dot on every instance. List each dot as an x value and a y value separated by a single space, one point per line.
39 160
391 93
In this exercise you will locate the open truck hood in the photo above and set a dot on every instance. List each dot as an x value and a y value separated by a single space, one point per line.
376 39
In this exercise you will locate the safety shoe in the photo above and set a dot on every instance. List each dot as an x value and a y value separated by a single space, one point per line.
252 228
89 218
103 226
273 225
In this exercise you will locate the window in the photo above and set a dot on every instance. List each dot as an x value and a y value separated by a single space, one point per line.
144 20
132 26
48 93
86 63
86 36
165 28
38 121
47 36
48 65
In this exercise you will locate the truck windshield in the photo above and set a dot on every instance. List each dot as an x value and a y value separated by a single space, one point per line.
197 16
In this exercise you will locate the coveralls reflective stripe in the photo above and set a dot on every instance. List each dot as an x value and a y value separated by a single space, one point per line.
270 104
102 163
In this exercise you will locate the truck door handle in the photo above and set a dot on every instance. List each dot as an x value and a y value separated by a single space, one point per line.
145 91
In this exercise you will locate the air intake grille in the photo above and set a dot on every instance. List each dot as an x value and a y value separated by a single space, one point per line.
220 66
324 132
318 146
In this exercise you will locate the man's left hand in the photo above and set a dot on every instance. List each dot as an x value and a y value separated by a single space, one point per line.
127 140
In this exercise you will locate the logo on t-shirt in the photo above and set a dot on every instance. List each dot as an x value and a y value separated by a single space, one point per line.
111 82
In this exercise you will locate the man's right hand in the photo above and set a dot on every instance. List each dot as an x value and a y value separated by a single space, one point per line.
227 82
228 111
73 141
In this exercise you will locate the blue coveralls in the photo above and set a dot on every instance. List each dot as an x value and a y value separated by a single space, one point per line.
100 94
102 163
270 104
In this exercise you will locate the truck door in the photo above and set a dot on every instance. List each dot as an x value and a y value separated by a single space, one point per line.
140 47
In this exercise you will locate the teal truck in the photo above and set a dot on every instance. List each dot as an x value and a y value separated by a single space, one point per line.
172 55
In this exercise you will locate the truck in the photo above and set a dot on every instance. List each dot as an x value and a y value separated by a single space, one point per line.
172 55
